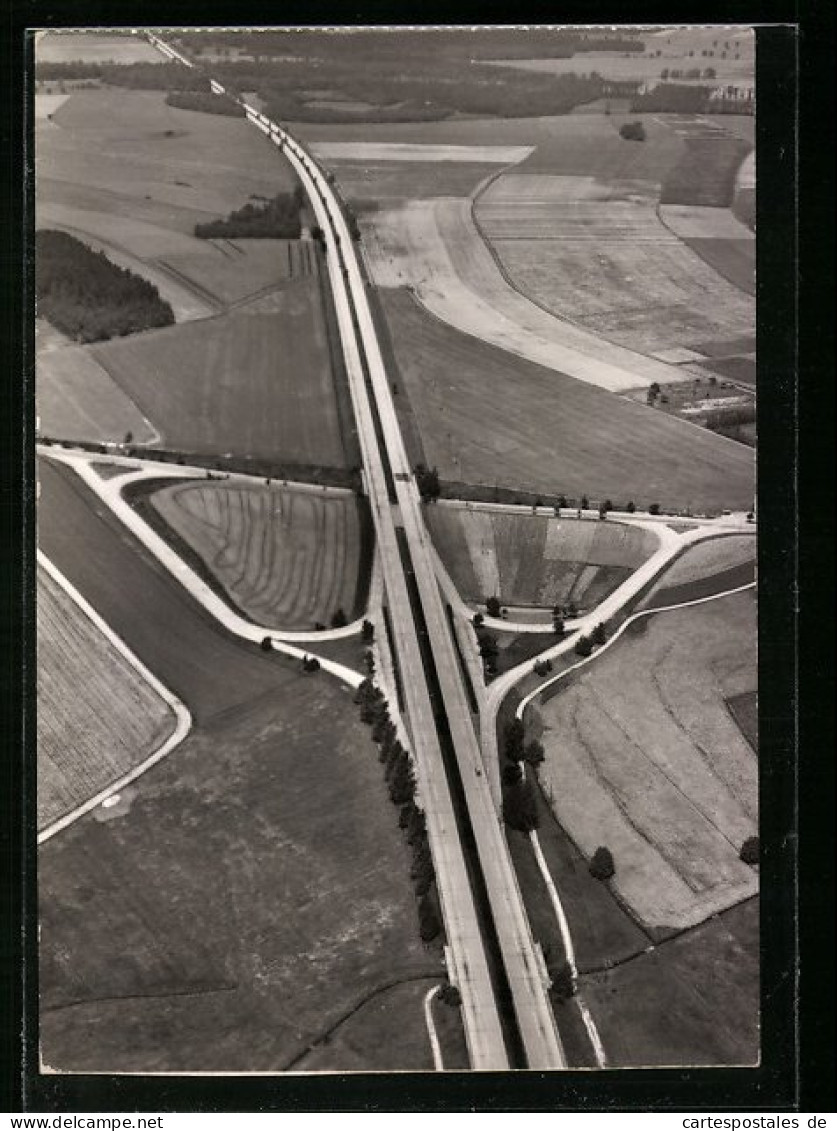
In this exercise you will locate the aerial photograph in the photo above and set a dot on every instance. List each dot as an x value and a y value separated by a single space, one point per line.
395 397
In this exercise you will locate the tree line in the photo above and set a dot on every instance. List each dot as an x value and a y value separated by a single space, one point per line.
278 218
89 298
204 101
134 76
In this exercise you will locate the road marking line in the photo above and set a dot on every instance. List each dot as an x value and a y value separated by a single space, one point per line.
183 717
438 1062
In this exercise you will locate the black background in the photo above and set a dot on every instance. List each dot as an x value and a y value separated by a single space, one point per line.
796 598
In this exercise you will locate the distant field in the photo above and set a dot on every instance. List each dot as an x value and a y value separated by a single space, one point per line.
97 716
91 47
78 400
597 254
643 756
693 1000
434 248
132 144
488 417
534 560
286 558
255 384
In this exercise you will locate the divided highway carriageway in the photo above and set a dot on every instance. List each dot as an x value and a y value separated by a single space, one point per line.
492 956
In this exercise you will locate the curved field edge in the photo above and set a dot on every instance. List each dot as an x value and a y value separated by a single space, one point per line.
240 580
681 797
92 728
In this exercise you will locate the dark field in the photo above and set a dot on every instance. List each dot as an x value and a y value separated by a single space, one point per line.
693 1000
734 259
745 710
250 384
487 416
709 586
736 368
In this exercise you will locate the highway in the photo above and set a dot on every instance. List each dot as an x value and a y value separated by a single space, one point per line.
494 960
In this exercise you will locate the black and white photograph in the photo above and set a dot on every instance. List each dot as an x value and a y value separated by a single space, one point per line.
397 530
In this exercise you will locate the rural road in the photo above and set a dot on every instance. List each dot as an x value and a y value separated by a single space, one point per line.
436 705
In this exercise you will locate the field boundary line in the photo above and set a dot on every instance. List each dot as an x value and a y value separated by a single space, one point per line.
433 1036
183 717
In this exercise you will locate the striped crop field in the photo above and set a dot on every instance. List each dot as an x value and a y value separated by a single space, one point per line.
597 253
97 716
642 755
286 558
535 560
93 47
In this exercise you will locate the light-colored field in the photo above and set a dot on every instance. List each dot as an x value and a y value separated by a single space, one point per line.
47 104
128 149
97 716
488 417
643 756
286 558
535 560
597 253
693 222
78 400
255 384
93 47
434 248
410 151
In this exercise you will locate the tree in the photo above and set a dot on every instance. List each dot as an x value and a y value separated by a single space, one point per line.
339 620
513 737
511 773
266 644
129 438
632 131
534 753
654 508
563 982
367 632
601 864
520 807
599 636
310 664
750 850
631 507
585 502
477 620
449 995
562 500
492 606
429 925
583 646
488 646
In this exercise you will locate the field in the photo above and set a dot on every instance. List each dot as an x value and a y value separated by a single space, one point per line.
91 47
707 568
255 892
534 560
77 399
434 248
596 253
94 728
248 383
130 148
488 417
254 887
643 756
692 1000
286 558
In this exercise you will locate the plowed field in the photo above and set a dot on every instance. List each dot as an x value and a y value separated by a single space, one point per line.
97 716
286 559
643 756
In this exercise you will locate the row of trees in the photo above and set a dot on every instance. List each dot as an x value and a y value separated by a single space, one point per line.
401 783
278 218
204 101
89 298
673 98
134 76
